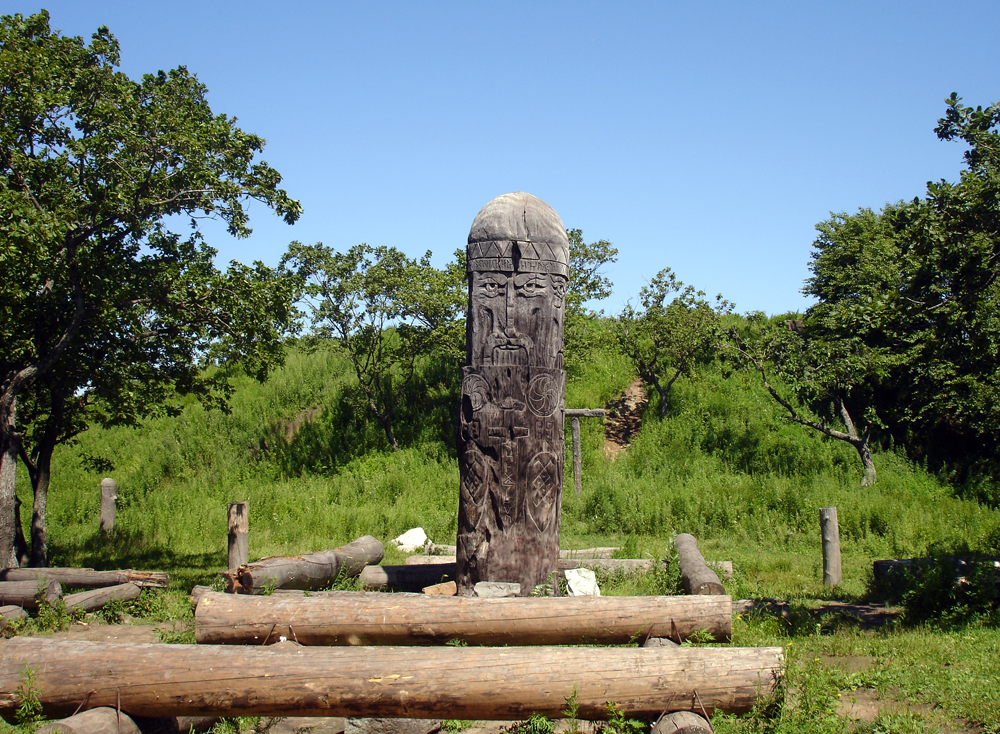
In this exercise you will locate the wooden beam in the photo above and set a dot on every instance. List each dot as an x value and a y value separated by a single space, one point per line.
412 682
360 618
584 412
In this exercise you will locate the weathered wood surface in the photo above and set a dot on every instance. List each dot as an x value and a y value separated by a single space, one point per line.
89 601
371 618
88 578
238 515
696 576
585 412
412 682
416 576
682 722
101 720
511 435
11 612
309 571
109 498
29 594
577 458
830 532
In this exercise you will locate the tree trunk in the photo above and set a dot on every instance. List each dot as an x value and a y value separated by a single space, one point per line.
90 601
413 682
866 461
87 578
367 618
29 594
696 576
20 545
9 441
40 486
307 572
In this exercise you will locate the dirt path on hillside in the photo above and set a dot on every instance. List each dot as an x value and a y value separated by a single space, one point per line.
623 419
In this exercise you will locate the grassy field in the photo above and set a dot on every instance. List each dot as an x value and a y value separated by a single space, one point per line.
723 466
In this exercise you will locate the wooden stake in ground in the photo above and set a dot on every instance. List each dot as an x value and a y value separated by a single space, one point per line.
511 434
575 414
360 618
830 530
696 576
307 572
109 496
409 682
239 534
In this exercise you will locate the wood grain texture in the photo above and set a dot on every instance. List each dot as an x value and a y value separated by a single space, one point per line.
696 576
88 578
29 594
94 599
411 682
360 618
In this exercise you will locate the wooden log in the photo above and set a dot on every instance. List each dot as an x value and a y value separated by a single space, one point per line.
11 612
448 588
830 531
308 572
416 576
604 552
577 459
585 412
696 576
682 722
101 720
239 534
413 682
723 568
109 496
88 578
198 592
90 601
366 618
29 594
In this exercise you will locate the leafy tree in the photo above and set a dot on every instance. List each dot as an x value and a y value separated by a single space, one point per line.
99 299
386 310
668 337
586 283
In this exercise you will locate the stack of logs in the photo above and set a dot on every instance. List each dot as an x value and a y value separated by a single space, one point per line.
299 651
24 589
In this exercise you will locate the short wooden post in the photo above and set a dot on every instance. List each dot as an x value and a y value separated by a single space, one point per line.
577 470
239 534
109 496
830 530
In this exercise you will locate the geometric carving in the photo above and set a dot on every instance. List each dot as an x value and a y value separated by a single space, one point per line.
511 442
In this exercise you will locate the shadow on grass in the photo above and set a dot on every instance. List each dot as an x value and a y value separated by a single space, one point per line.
131 549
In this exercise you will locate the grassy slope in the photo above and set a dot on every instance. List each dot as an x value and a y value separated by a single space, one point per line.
723 466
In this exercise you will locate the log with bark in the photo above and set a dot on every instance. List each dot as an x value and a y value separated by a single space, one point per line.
682 722
88 578
29 594
11 612
366 618
307 572
100 720
90 601
417 575
696 576
411 682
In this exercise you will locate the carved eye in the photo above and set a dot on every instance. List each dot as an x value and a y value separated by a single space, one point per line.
559 287
533 287
490 287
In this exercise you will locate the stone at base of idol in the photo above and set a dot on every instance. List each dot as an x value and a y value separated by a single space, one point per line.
410 541
581 582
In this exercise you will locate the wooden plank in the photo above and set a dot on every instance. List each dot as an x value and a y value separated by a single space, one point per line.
413 682
360 618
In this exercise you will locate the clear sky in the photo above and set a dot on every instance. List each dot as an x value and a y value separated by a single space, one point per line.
709 137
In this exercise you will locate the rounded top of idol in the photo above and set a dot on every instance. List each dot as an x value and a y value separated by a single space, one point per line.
518 233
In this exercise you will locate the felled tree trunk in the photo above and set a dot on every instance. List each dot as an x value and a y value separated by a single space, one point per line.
28 595
89 601
87 578
408 682
307 572
359 618
696 576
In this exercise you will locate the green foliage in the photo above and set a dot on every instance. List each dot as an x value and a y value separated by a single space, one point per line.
586 284
534 724
618 723
29 708
669 337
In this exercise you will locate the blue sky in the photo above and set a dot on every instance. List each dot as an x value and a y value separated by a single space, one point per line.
708 137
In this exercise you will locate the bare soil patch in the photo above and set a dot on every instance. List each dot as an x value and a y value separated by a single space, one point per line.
623 419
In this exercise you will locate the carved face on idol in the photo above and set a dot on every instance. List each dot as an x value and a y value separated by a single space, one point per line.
517 316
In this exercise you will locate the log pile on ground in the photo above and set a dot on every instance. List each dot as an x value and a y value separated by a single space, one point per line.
306 572
415 682
88 578
28 588
364 618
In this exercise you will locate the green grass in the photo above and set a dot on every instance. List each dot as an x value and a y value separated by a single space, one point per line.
723 465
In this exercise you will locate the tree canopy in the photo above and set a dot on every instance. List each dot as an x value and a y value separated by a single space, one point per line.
105 309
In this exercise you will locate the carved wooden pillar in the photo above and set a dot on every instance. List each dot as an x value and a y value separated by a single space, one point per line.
510 444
